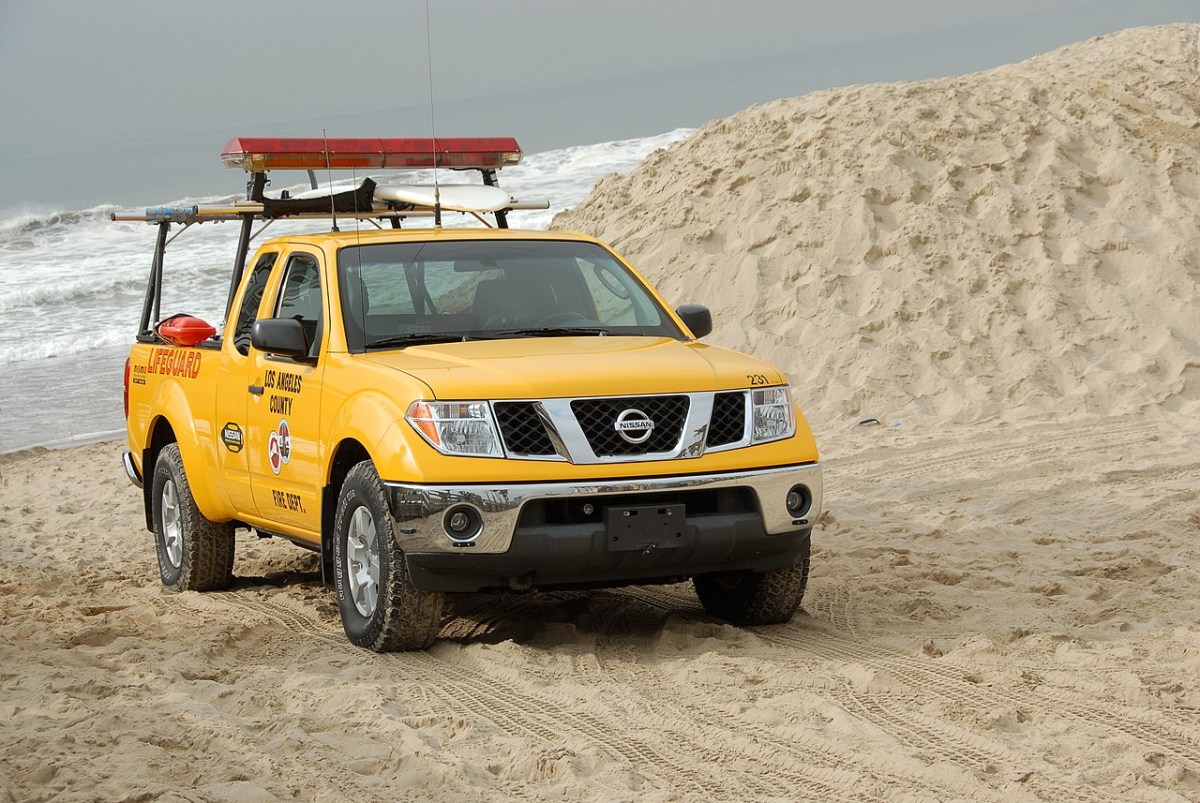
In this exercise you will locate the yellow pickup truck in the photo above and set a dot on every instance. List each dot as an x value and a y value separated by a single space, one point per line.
457 410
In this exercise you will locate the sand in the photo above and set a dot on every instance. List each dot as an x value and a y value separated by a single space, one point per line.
994 246
1001 268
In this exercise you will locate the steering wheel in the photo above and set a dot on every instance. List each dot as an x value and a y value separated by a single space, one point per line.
505 322
241 341
608 277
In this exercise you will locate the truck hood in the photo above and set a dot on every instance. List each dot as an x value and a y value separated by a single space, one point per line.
550 367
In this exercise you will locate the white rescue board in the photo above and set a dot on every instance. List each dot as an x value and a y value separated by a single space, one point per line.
325 190
454 197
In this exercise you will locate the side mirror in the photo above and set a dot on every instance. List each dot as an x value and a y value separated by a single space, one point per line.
282 336
697 318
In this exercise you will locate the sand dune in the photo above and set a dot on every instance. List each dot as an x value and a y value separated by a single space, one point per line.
992 246
1003 603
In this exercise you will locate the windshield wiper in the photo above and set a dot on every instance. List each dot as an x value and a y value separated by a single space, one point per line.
549 331
417 338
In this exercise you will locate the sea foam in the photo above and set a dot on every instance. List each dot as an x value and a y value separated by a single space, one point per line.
66 274
72 284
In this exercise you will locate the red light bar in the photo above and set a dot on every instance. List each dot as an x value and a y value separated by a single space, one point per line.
259 154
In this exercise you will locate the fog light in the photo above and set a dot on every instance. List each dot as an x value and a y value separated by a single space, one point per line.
462 523
798 501
589 509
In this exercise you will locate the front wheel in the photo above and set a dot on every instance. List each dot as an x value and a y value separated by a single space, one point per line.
194 554
381 608
755 598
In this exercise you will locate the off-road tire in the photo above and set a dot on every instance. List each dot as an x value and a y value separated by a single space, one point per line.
204 548
755 598
404 616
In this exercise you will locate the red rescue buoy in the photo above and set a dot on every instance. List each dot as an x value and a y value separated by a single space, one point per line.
184 330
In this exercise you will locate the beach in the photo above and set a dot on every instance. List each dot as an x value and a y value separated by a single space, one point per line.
994 613
983 290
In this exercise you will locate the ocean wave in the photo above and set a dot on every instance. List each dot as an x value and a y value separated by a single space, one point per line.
56 264
25 221
617 155
577 166
71 281
200 200
42 348
66 291
31 222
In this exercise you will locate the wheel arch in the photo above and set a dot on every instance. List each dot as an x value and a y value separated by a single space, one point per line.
370 417
348 453
161 434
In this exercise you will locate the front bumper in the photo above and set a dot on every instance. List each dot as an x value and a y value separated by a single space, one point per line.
512 549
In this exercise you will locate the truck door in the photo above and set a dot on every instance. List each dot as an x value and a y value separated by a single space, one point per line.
232 402
284 406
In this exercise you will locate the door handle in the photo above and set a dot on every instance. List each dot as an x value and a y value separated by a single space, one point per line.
257 390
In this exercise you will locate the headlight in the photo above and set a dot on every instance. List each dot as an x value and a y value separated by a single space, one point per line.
457 428
773 419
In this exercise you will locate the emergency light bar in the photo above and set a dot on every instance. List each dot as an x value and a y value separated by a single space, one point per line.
260 154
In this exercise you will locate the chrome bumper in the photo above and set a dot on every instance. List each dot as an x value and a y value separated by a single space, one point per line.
131 469
418 511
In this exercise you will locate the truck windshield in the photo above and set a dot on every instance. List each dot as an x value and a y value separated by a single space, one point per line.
398 294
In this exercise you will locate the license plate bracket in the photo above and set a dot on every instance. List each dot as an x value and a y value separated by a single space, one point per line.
644 528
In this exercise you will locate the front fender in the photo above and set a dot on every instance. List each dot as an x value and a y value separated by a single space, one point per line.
368 418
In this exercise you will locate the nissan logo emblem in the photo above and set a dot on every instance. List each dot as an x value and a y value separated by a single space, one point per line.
634 426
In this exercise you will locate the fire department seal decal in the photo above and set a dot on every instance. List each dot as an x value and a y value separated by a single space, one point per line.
285 441
279 446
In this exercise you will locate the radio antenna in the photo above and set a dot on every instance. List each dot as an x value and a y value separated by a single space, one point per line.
357 211
437 190
329 177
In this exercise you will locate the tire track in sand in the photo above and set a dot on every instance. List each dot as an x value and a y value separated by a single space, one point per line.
689 767
898 710
800 760
994 449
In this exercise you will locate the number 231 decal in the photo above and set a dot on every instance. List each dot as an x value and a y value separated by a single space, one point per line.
756 380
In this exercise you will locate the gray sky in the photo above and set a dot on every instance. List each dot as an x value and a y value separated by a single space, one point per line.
131 101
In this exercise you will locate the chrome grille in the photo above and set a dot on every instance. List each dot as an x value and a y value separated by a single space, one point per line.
522 429
728 423
597 419
586 430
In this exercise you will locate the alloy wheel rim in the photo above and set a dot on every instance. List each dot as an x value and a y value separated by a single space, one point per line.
362 566
172 524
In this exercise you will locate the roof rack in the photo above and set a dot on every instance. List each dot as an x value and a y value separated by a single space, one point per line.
368 201
259 155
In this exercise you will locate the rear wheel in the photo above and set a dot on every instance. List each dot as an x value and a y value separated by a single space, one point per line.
194 554
755 598
381 608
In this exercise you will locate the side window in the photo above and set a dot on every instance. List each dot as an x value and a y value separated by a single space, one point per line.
255 285
300 296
